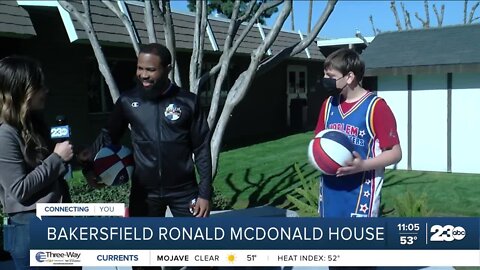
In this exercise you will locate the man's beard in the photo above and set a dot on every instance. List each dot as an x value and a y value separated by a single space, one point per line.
154 92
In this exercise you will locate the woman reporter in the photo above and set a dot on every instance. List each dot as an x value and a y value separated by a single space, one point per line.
32 167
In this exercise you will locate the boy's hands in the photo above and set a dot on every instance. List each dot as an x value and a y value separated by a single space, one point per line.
355 166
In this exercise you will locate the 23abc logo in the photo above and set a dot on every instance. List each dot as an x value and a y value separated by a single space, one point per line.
447 233
60 132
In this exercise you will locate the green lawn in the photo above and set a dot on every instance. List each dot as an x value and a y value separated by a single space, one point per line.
264 173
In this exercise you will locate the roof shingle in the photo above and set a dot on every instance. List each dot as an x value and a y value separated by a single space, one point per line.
448 45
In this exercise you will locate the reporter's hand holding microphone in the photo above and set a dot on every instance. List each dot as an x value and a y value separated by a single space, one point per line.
64 150
60 133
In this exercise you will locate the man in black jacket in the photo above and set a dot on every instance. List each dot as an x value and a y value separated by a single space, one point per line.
167 127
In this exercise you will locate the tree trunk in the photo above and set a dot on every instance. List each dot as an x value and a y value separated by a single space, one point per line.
165 15
230 49
85 20
198 40
149 21
241 85
292 19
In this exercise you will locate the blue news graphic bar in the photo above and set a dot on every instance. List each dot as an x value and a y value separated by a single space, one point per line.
255 233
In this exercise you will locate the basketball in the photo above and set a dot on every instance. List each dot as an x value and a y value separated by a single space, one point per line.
113 164
330 150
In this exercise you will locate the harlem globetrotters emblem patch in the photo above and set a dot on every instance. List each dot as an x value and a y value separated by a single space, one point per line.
173 112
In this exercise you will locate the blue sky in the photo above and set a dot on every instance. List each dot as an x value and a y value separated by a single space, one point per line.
349 16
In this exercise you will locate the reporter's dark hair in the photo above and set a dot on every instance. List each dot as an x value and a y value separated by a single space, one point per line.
20 79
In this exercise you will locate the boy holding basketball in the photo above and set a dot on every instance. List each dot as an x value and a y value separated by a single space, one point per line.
370 124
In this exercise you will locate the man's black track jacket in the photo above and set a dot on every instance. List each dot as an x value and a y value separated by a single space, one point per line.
164 132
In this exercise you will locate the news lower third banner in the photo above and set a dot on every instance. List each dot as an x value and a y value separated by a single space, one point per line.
119 241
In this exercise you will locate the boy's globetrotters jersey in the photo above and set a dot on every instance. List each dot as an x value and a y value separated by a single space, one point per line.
371 127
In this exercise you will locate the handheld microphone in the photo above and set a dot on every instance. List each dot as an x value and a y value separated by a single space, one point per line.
60 133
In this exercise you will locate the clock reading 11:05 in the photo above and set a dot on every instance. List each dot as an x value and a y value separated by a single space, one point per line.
408 227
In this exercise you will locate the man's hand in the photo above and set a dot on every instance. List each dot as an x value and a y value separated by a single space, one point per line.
354 166
84 156
92 179
202 208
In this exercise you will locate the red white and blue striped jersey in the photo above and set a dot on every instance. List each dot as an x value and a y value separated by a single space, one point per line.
356 195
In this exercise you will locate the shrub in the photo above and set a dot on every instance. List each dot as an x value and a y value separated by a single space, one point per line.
411 205
305 198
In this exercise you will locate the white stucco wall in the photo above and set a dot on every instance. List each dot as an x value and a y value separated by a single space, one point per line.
394 90
429 122
465 119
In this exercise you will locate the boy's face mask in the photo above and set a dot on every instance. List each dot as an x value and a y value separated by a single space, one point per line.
330 86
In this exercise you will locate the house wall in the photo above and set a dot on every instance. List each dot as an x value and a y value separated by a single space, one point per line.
430 128
393 90
429 123
465 128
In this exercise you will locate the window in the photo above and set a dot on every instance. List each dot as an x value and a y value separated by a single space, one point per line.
99 98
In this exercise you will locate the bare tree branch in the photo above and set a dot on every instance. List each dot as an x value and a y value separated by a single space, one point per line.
427 13
465 5
232 31
296 48
212 72
228 54
292 19
86 8
149 22
159 14
439 15
229 50
165 15
310 10
225 64
249 11
233 26
248 27
203 28
424 23
316 29
239 89
472 12
86 21
359 35
126 22
474 19
393 7
406 17
374 30
194 68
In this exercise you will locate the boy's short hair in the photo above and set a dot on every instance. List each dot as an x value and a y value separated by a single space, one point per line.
159 50
345 60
